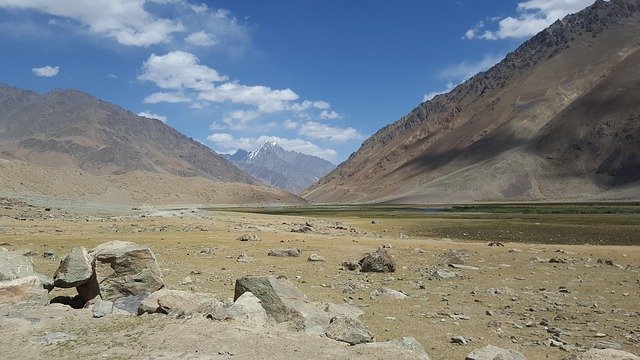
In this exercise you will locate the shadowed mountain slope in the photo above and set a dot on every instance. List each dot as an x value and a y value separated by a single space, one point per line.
557 119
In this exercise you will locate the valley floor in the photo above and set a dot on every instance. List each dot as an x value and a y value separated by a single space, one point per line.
515 296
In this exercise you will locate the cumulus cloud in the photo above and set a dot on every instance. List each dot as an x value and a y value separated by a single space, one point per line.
179 70
238 119
170 97
126 21
46 71
330 115
227 143
290 124
150 115
201 38
533 16
266 99
318 130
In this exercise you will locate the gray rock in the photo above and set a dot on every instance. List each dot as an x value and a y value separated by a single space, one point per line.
606 344
250 237
46 281
244 258
315 258
444 274
125 268
14 265
608 354
166 301
491 352
349 330
378 261
277 295
293 252
75 269
130 303
101 308
248 308
460 340
52 339
26 290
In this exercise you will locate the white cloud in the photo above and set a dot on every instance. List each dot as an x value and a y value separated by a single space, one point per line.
170 97
290 124
533 16
433 94
238 119
330 114
318 130
201 38
46 71
125 20
179 70
229 143
266 99
151 115
464 70
112 76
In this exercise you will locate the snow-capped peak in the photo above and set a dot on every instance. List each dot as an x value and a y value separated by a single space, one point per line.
263 147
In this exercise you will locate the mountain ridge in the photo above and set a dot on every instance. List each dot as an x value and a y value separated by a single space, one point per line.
72 129
283 169
493 112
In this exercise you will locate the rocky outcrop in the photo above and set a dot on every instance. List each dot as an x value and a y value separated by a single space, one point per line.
378 261
26 290
112 270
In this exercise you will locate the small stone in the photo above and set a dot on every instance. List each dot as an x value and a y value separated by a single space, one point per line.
250 237
315 258
606 344
351 265
293 252
349 330
101 308
460 340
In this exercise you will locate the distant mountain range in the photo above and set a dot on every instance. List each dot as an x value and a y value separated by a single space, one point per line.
72 130
558 119
280 168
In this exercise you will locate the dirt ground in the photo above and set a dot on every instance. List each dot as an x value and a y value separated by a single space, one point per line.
519 296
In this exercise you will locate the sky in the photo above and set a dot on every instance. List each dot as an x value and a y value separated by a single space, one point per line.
317 77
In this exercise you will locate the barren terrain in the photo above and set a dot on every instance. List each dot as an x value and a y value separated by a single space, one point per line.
515 296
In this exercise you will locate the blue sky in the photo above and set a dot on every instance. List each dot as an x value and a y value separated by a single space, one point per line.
316 76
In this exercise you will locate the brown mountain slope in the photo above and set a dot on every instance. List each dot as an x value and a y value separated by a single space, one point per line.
71 129
557 119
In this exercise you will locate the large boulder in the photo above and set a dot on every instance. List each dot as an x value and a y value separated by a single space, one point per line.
178 303
14 265
608 354
125 268
247 308
378 261
348 329
284 302
491 352
278 296
75 269
26 290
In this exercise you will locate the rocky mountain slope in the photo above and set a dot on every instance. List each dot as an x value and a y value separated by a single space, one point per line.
557 119
280 168
71 146
72 129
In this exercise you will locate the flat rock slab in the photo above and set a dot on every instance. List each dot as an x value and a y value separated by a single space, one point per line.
52 339
25 290
177 302
285 252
